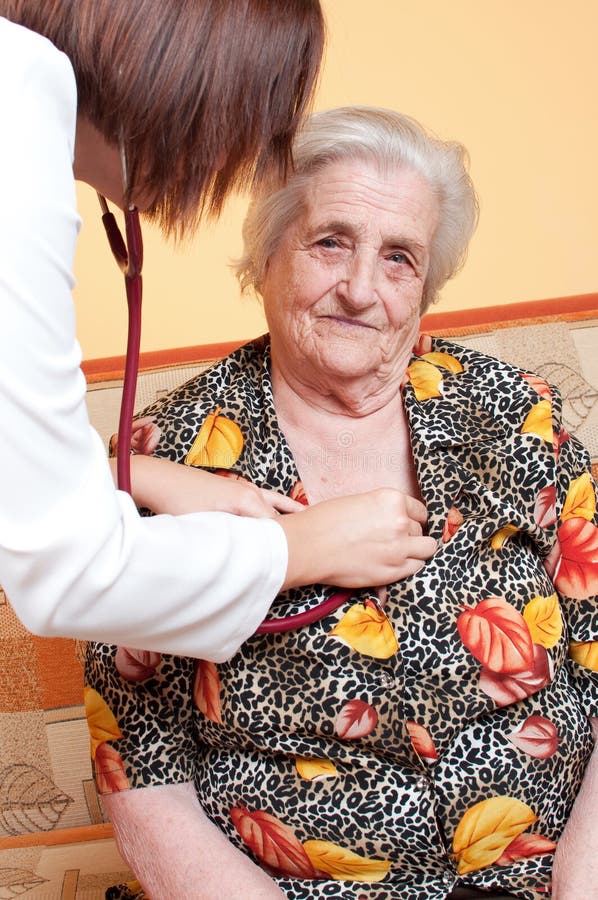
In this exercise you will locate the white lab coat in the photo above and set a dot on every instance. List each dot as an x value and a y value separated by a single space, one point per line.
75 557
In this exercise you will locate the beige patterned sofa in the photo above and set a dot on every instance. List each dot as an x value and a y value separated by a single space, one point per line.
54 841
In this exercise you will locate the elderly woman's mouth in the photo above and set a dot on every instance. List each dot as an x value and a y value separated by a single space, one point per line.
350 323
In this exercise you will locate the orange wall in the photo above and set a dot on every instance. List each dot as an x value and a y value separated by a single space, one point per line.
514 80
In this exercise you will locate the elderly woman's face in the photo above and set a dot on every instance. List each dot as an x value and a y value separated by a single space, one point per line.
342 291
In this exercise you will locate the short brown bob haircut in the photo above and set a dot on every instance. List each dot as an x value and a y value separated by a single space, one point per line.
201 94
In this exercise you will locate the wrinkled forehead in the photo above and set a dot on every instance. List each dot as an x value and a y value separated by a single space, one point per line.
365 195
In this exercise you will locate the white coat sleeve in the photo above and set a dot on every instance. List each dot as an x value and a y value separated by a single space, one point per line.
75 557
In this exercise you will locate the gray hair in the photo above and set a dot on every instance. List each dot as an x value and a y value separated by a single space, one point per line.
392 141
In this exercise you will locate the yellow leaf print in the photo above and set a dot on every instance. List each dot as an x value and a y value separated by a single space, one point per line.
539 421
344 865
425 379
100 721
366 629
487 829
218 443
446 360
543 617
315 769
135 888
502 536
580 502
586 654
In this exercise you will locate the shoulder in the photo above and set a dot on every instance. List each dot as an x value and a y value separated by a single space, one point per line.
236 381
504 389
33 70
237 388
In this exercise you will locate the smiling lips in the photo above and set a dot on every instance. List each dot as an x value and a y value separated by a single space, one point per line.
342 320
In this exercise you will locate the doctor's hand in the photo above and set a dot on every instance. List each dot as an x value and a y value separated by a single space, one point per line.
169 487
361 540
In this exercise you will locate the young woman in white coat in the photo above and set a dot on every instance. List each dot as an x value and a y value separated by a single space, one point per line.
168 106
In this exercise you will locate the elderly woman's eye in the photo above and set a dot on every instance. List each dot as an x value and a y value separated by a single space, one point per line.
328 243
399 258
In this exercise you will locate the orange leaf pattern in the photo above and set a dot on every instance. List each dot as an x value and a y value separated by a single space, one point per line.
585 653
366 629
577 572
356 719
422 742
298 493
273 842
206 690
526 846
539 421
487 829
545 507
423 345
109 771
497 635
315 769
502 536
136 665
543 617
507 689
344 865
536 736
539 385
453 522
218 444
580 502
425 378
444 360
100 721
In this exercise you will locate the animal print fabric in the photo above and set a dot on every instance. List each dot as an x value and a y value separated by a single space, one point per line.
397 750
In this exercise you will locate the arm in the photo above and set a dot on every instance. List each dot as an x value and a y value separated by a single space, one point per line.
173 848
175 489
576 858
75 558
356 541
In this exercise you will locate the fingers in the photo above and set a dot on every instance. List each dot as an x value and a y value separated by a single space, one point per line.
141 422
416 509
281 503
262 503
419 548
414 529
407 568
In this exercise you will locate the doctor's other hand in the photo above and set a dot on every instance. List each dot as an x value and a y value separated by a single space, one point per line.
165 486
361 540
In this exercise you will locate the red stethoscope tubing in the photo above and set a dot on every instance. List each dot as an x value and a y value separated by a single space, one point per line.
307 617
129 258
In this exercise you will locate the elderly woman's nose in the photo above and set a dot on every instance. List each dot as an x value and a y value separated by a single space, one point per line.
358 286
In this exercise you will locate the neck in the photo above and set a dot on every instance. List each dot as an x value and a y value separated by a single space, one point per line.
343 443
98 163
351 397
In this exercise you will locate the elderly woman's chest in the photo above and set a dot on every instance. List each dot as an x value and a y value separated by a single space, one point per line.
457 640
351 456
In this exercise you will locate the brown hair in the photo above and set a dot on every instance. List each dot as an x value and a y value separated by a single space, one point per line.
184 85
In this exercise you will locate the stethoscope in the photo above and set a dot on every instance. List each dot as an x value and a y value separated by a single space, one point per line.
129 258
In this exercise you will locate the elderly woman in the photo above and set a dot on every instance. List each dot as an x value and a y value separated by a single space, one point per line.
429 738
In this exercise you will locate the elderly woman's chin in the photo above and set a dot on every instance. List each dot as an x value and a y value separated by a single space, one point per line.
354 351
359 357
